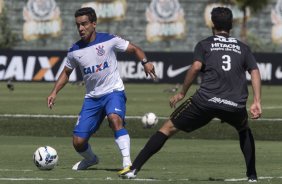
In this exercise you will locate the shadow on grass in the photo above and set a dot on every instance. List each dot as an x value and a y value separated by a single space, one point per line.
105 169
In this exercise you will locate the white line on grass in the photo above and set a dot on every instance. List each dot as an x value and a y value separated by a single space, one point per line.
272 107
259 178
36 116
14 170
74 116
61 179
137 179
236 179
56 116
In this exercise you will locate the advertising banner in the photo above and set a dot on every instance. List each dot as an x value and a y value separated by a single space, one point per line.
32 65
171 67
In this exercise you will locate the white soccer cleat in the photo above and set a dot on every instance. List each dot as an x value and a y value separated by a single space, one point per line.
252 179
126 173
130 175
84 164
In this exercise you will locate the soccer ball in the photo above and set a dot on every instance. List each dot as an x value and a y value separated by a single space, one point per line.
45 158
149 120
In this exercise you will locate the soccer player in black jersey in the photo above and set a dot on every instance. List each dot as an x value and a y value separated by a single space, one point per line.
223 93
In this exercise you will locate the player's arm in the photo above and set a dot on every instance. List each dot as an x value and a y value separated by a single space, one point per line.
189 78
255 108
140 55
60 83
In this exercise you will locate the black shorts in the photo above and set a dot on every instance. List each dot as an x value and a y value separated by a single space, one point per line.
189 116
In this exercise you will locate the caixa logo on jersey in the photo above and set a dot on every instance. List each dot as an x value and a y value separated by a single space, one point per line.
25 66
96 68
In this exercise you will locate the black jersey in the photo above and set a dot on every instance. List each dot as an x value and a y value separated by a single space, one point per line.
225 62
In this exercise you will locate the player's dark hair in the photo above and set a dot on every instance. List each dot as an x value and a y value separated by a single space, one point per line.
89 12
222 18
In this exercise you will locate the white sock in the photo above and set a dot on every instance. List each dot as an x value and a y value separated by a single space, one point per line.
88 154
123 143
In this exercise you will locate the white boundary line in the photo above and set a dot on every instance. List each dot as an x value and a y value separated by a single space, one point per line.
75 116
119 179
14 170
272 107
61 179
36 116
138 179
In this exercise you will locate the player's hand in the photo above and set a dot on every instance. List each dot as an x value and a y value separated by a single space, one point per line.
150 70
51 101
176 98
255 110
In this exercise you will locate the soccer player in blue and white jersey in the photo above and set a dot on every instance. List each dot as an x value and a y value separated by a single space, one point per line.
95 55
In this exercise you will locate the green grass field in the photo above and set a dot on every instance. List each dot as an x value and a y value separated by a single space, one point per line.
207 156
30 98
180 161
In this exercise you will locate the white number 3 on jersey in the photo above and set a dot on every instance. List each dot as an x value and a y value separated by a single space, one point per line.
226 62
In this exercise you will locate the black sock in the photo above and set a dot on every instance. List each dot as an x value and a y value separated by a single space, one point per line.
247 145
154 144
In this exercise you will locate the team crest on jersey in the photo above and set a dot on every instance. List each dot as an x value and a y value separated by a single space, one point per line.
100 50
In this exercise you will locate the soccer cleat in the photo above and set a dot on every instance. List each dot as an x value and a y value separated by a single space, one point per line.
252 179
84 164
127 173
126 169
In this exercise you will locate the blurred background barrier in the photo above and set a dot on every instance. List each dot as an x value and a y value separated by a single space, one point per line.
171 67
35 36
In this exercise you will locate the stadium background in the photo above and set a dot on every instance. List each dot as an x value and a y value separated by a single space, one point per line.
36 33
39 34
132 22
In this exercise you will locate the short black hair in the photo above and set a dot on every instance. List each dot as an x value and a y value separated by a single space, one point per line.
88 11
222 18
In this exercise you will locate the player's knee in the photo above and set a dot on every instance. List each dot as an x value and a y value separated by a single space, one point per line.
115 121
79 144
168 128
244 128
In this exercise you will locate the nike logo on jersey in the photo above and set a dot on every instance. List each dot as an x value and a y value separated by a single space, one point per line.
278 73
96 68
174 72
116 109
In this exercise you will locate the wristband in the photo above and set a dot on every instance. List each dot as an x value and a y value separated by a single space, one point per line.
144 61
